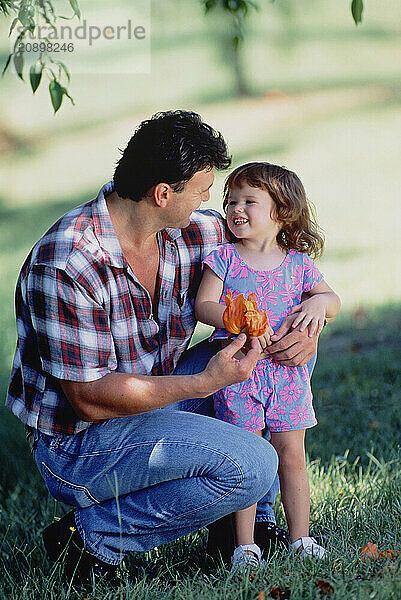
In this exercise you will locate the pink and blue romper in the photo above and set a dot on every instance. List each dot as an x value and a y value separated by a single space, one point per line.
275 396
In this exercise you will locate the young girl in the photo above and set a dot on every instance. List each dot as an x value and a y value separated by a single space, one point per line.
273 234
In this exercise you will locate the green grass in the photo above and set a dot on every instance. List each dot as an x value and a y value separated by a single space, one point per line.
354 468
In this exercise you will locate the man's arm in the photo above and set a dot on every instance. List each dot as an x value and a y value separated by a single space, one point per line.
123 394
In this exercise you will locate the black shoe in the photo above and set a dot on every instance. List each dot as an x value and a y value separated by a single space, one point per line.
62 541
270 538
220 543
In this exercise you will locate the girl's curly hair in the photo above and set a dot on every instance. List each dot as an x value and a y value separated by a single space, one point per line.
299 229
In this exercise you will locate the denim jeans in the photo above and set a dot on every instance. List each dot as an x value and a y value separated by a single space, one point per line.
142 481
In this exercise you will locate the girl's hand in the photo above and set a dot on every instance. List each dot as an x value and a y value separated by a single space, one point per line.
312 314
264 340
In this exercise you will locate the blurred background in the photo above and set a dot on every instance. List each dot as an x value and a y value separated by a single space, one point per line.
308 90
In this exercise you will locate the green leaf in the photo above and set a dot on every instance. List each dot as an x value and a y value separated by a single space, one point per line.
232 5
56 92
19 64
6 65
13 24
357 10
209 4
5 6
237 6
35 75
66 71
69 97
75 8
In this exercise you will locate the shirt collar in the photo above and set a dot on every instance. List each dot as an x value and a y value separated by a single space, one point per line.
105 232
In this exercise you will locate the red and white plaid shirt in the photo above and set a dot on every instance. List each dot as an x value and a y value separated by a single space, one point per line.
82 313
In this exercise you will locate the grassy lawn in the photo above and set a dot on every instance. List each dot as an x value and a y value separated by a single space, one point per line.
354 468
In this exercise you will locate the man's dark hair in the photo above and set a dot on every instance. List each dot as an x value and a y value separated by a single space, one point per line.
170 147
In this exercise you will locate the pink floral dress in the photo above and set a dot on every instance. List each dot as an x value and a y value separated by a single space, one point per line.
275 396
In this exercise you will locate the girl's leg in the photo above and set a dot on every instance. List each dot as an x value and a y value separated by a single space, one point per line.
294 481
244 523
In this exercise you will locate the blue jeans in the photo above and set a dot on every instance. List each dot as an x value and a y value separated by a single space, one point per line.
140 482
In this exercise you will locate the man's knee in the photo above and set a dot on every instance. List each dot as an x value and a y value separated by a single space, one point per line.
262 463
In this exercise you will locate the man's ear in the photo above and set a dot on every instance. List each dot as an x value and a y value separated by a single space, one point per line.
162 193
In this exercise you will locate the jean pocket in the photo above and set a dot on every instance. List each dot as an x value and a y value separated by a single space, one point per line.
65 491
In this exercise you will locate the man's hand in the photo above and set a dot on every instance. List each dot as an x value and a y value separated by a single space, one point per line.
292 347
223 369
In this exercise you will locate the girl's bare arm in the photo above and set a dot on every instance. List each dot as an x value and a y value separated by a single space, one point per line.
207 306
322 304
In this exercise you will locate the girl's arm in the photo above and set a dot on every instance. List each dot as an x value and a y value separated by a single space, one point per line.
207 306
322 304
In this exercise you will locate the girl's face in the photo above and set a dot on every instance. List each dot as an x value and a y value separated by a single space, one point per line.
251 213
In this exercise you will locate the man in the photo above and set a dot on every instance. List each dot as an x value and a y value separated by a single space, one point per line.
104 307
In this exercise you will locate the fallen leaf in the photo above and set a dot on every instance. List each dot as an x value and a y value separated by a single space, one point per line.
389 554
325 588
280 593
369 551
261 596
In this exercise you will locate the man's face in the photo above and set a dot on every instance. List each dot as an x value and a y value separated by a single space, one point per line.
195 192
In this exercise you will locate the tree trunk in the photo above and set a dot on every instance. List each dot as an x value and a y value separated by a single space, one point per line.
241 86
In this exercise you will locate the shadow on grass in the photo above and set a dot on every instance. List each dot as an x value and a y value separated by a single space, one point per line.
357 386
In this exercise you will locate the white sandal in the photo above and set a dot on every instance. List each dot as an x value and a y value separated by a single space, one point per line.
308 547
241 560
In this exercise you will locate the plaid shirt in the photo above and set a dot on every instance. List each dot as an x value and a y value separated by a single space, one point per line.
82 313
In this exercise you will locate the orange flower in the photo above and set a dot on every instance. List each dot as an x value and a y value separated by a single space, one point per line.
234 314
244 315
256 321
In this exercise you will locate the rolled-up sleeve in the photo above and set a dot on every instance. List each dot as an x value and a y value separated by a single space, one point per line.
72 327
